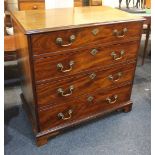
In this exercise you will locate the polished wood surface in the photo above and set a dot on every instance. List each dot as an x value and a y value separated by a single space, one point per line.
47 20
82 108
31 5
60 94
83 84
45 43
24 63
46 67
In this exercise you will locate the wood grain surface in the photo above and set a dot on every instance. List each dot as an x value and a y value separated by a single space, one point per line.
46 68
25 70
31 5
46 43
36 21
83 84
82 108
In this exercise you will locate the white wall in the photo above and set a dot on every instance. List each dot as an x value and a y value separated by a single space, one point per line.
70 3
58 3
115 3
112 3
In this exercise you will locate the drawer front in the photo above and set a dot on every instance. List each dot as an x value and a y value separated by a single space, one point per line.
67 89
83 59
78 3
31 5
86 106
75 38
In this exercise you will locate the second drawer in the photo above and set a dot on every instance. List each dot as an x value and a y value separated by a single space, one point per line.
66 89
70 63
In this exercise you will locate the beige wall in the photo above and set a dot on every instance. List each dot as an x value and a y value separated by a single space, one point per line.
12 5
49 4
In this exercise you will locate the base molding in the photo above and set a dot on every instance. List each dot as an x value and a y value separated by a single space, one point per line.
42 137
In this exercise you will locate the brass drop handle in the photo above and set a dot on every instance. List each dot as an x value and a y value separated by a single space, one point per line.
120 34
112 99
117 57
61 67
62 92
116 77
35 7
59 41
62 116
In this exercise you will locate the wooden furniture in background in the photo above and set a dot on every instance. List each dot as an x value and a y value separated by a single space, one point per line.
95 2
77 70
148 4
9 40
9 43
31 4
146 30
78 3
9 48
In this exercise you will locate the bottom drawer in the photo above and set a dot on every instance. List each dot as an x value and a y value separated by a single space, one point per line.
86 106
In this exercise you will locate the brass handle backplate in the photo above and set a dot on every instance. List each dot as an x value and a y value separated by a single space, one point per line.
35 7
117 57
62 116
115 77
62 92
61 67
112 99
92 76
120 34
60 42
94 51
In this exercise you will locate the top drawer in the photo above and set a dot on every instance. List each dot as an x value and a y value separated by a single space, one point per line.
75 38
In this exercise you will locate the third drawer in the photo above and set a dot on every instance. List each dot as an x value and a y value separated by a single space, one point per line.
65 90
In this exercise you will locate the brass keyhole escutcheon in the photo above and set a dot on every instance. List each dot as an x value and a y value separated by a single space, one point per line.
90 98
95 31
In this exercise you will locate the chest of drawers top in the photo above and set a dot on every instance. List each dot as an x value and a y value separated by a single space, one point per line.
67 18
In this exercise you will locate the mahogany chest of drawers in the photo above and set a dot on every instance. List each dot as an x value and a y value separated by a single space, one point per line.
76 64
